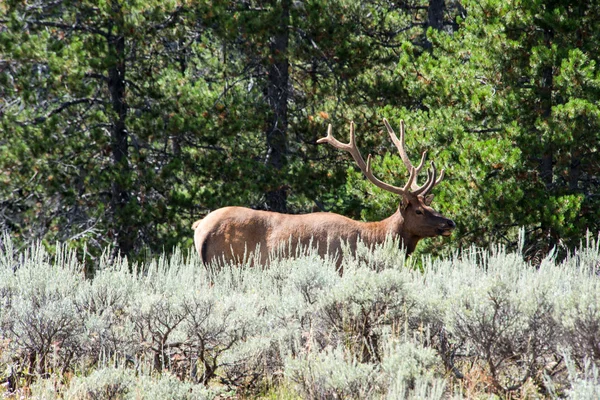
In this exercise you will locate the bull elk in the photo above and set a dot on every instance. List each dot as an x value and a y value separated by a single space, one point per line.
227 234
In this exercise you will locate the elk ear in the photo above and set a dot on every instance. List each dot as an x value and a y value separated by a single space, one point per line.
404 202
428 199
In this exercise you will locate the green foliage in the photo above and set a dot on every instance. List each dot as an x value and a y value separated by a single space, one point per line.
123 122
190 110
506 104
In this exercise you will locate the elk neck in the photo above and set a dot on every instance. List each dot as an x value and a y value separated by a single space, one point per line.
376 232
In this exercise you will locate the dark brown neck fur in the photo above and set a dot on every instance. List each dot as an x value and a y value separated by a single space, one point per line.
376 232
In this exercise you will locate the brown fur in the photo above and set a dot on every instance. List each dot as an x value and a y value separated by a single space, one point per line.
231 232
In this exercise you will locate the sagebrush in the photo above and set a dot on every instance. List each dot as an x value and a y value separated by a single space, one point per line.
481 321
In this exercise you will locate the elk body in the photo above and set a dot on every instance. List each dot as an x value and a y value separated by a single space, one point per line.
230 233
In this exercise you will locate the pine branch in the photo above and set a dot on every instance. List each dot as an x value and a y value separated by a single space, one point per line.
62 108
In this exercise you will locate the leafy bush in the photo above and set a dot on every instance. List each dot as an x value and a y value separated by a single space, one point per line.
479 321
333 374
580 383
361 305
121 383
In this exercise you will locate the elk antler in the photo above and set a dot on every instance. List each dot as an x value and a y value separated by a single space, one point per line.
431 181
365 167
410 186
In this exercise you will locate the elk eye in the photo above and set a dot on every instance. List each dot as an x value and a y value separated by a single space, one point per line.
419 212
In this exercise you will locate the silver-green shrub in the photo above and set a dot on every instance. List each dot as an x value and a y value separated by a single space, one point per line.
382 329
361 306
406 361
39 315
585 385
103 303
120 383
333 373
276 305
424 388
501 311
578 300
580 383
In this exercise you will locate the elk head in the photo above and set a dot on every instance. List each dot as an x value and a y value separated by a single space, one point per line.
415 219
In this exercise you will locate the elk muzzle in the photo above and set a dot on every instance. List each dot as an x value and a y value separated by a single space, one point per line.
446 228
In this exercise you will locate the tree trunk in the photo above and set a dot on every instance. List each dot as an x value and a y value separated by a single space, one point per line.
547 81
119 143
574 173
435 17
277 98
547 159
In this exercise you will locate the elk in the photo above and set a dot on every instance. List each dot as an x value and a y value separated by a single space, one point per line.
229 233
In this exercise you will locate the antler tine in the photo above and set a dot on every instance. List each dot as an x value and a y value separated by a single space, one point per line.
411 185
411 179
423 189
402 140
333 141
431 181
350 147
400 145
440 178
365 167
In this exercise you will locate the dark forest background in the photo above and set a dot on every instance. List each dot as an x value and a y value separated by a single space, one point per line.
122 122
